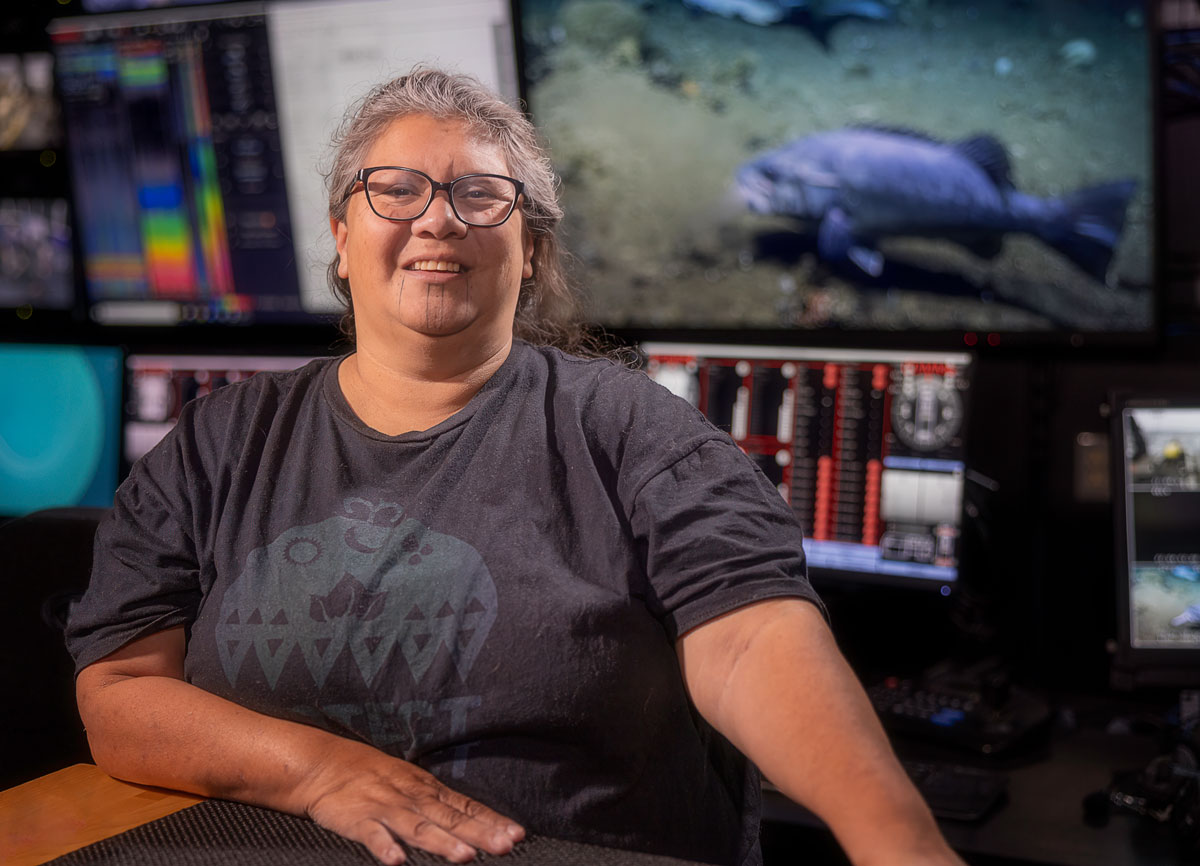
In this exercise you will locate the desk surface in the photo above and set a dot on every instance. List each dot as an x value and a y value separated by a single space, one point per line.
64 811
1042 822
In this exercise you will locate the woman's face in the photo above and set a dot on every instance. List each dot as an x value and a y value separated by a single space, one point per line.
390 265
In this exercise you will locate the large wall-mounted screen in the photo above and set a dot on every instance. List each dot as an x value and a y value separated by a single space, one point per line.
883 166
197 137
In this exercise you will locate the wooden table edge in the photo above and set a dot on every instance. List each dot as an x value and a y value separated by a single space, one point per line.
74 807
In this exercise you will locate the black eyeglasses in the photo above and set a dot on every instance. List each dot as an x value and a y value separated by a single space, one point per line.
402 194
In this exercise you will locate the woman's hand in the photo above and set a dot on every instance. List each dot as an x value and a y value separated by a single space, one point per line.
147 725
380 801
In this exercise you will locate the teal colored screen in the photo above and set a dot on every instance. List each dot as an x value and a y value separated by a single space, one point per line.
60 416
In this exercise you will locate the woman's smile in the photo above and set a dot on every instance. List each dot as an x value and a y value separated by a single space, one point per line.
432 265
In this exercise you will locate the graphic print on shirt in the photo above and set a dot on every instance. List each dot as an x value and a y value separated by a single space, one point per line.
371 581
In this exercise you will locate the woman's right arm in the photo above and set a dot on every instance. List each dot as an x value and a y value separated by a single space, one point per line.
147 725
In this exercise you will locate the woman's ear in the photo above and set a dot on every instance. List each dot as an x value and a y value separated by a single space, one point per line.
338 228
527 267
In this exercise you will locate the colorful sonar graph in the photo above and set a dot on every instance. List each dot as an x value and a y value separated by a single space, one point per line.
214 268
166 241
154 224
106 207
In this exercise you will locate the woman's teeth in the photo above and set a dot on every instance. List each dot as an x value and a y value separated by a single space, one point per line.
453 267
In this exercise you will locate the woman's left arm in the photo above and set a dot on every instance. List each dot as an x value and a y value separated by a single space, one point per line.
771 679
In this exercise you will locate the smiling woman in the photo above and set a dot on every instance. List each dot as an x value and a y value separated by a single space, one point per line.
460 584
548 312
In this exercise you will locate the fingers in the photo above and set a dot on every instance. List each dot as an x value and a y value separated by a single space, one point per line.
418 811
444 822
476 815
379 842
437 828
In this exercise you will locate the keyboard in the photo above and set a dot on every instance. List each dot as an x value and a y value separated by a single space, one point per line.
956 792
958 717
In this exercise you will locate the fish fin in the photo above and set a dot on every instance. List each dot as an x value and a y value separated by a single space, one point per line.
869 260
902 131
989 154
1091 226
835 236
836 242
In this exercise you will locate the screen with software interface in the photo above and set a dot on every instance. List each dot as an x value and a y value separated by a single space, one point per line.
1161 508
60 426
160 385
867 446
197 137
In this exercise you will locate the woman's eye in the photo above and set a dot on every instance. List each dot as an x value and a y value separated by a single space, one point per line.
477 193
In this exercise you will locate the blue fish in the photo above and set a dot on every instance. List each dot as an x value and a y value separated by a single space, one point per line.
860 185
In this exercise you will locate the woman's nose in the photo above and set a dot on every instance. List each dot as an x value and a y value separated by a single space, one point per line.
439 219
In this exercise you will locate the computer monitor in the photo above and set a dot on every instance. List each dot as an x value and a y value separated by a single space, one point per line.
917 174
159 385
37 270
197 135
60 420
868 446
1156 498
29 119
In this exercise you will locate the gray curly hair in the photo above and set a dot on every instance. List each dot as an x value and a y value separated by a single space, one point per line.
548 312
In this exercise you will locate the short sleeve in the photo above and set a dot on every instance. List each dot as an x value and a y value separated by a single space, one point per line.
717 536
145 572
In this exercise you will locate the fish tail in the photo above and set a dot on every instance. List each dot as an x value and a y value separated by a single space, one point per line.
1089 225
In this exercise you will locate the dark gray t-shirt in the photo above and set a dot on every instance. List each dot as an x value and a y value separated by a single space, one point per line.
494 599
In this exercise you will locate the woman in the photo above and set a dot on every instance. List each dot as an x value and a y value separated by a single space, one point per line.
456 586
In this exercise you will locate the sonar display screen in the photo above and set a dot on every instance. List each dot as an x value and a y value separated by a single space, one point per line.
868 447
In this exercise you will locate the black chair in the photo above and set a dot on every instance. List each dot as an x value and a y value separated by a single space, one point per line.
45 561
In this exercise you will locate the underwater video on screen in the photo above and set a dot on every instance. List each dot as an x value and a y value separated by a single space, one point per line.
857 165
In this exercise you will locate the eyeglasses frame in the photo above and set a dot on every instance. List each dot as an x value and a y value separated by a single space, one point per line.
362 174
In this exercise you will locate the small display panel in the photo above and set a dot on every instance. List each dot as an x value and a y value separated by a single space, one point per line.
1160 504
59 427
28 110
868 447
160 385
36 266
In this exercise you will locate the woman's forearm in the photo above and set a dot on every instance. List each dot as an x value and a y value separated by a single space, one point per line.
771 678
147 725
158 730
